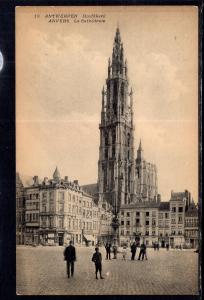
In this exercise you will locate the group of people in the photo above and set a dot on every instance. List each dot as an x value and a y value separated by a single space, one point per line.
70 256
134 246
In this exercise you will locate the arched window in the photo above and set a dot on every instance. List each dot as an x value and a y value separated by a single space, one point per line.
128 140
122 93
115 97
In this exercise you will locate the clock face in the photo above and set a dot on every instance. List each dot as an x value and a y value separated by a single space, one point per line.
1 61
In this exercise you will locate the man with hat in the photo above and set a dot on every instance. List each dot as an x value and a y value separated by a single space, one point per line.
70 257
97 259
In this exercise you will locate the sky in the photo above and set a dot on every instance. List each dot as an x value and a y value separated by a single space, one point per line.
60 72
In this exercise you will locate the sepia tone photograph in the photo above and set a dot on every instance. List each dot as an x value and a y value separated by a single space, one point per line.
107 194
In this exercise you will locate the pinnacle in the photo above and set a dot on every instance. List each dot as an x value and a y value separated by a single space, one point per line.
140 145
56 174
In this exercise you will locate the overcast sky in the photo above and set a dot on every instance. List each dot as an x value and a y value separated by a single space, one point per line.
61 69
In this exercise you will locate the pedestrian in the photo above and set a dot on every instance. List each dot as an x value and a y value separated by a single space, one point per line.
167 247
124 252
142 251
70 257
106 247
157 246
109 251
115 251
133 250
97 259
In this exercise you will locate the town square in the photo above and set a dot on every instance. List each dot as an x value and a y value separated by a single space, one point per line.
107 199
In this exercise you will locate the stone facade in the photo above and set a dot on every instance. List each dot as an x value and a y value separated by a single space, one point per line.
116 153
32 212
145 178
139 220
58 210
20 211
191 230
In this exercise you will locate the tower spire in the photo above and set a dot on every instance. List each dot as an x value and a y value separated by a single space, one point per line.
140 145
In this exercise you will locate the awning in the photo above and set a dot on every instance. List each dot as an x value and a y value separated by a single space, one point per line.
89 237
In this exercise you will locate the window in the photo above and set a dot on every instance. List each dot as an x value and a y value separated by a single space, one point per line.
61 196
173 209
122 223
154 214
127 232
69 208
128 214
122 213
147 214
137 221
128 223
153 232
173 221
61 208
147 232
173 232
180 220
51 222
44 221
61 222
52 208
166 215
180 209
122 232
137 213
147 223
154 222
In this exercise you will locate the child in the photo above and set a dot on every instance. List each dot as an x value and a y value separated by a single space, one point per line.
97 259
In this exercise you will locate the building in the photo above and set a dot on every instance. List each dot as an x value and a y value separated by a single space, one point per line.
139 221
178 204
59 210
164 224
32 211
191 231
20 211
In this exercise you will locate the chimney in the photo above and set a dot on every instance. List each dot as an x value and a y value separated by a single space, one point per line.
76 182
35 180
45 180
66 178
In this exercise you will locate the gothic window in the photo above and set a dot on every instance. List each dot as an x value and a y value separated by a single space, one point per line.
113 151
122 92
115 97
113 136
128 140
106 145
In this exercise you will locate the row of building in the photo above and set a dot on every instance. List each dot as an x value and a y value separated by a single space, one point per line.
57 210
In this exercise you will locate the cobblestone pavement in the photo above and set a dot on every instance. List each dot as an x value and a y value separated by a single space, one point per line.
42 271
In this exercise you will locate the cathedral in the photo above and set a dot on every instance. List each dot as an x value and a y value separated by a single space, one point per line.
122 178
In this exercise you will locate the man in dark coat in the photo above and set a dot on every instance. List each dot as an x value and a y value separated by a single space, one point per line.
97 259
142 251
133 250
108 251
70 257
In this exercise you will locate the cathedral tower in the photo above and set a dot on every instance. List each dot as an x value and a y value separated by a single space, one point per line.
116 171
